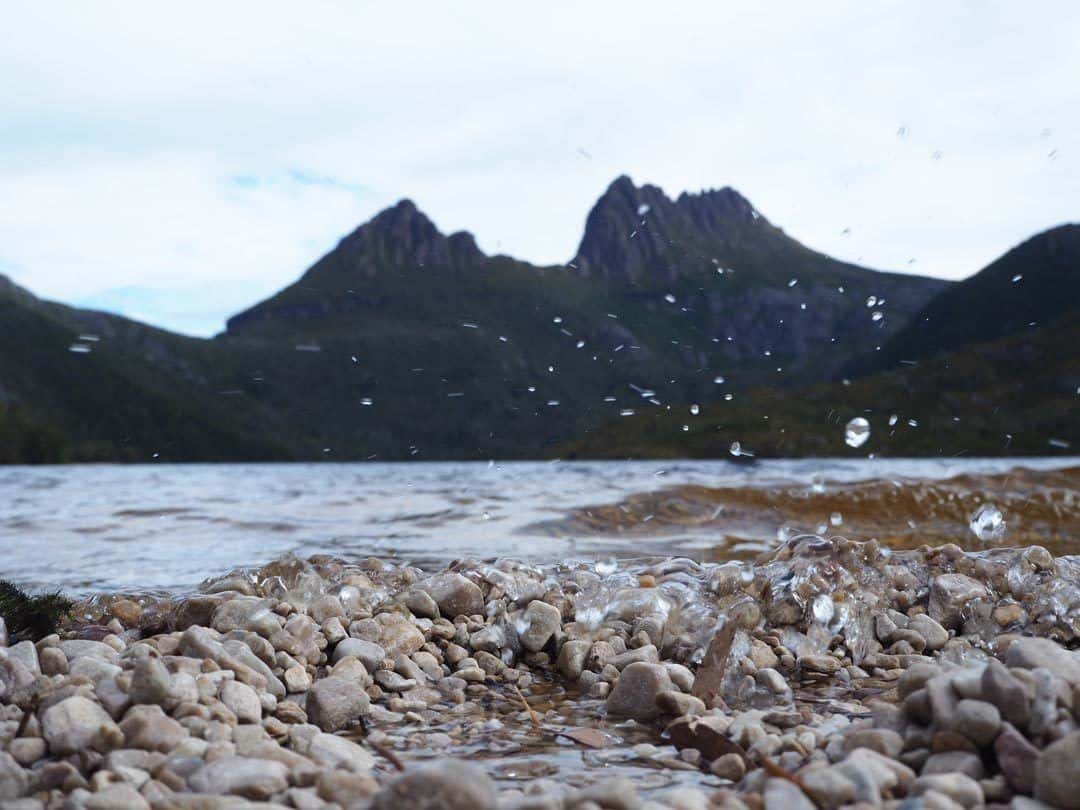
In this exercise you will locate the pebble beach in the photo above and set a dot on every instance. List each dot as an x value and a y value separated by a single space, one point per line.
825 674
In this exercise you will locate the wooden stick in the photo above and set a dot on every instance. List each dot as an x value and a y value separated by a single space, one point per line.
532 712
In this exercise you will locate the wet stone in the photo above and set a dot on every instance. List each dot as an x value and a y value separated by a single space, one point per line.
444 786
336 703
636 689
1055 773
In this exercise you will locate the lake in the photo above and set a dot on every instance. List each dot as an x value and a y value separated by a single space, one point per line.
167 527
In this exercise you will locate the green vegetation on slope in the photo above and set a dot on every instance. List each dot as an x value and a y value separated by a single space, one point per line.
1016 396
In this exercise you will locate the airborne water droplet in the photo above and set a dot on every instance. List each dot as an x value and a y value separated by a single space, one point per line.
856 432
987 523
877 316
719 380
669 298
871 301
836 518
694 409
736 449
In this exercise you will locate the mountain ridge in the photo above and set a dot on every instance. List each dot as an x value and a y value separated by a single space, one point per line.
404 342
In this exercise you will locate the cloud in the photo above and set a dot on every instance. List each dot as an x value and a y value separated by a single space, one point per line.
188 148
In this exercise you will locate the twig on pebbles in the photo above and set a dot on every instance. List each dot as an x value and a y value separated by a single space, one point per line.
532 712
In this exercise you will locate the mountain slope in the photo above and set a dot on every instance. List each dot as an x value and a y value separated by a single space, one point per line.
127 393
462 355
1017 396
1031 285
403 342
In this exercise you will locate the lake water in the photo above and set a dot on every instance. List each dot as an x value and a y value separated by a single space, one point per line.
167 527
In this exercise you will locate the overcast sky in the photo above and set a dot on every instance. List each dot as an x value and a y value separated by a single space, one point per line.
177 162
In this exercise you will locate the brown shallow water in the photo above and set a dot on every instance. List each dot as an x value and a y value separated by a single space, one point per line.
1040 507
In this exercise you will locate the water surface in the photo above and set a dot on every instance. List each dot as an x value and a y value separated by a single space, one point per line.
148 527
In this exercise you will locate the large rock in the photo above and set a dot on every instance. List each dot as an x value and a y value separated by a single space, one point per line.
14 781
636 689
1004 690
77 723
1031 653
370 654
1016 757
400 638
952 597
82 648
445 786
1056 773
331 751
246 613
538 624
252 778
241 700
150 681
336 703
782 794
455 595
148 728
977 720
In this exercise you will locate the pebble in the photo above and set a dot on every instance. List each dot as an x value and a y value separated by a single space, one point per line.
636 690
1056 773
952 596
541 622
336 703
75 724
444 786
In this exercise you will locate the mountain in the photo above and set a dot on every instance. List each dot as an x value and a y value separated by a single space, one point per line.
1016 396
463 355
1031 285
404 342
77 385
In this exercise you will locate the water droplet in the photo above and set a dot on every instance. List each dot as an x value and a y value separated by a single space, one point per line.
856 432
729 397
626 412
793 282
367 401
487 516
817 483
871 301
735 449
1017 277
669 298
686 428
913 422
987 523
836 518
877 316
893 420
581 344
643 209
719 380
823 608
694 409
606 567
557 319
79 348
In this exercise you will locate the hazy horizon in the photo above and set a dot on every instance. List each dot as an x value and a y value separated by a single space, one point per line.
155 154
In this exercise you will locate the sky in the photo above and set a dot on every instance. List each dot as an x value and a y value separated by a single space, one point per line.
179 162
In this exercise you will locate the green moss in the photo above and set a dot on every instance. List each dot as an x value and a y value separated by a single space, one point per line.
31 617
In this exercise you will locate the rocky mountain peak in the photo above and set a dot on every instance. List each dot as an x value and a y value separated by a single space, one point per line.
631 230
403 235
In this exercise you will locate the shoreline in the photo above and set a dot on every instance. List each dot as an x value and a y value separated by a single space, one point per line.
829 673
